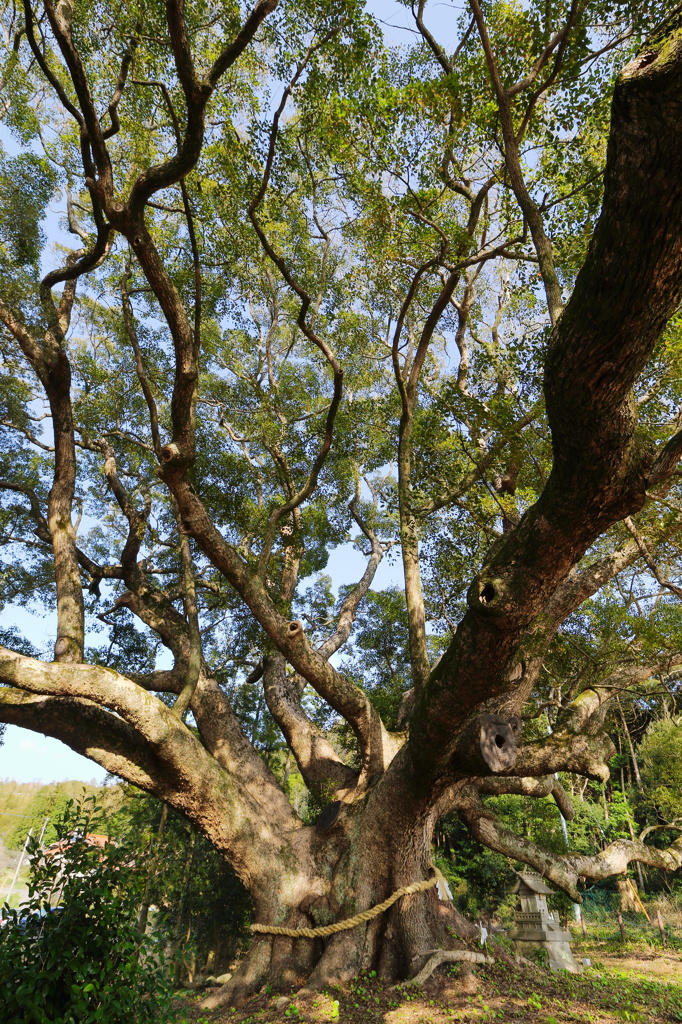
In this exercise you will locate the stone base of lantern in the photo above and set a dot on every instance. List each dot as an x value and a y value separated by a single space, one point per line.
559 953
537 931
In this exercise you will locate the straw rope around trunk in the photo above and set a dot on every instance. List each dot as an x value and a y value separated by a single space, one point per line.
351 922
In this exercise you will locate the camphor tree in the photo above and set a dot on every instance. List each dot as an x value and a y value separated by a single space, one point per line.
322 287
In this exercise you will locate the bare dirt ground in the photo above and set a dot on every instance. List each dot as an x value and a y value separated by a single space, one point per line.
653 966
640 987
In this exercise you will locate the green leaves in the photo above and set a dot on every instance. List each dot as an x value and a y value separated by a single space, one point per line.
661 767
72 952
386 179
27 184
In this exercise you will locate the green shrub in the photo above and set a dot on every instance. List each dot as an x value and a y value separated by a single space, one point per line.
72 953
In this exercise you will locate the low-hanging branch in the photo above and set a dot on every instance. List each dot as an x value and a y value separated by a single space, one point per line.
564 870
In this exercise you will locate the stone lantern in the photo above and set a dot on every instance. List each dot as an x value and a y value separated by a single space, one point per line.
535 926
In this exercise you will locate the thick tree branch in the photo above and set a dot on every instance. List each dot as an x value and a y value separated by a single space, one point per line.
628 288
112 109
578 743
543 246
222 735
347 699
149 716
74 269
137 521
666 461
446 63
219 728
584 755
582 582
89 730
149 747
51 365
59 17
564 871
322 769
153 722
189 597
47 71
197 94
546 785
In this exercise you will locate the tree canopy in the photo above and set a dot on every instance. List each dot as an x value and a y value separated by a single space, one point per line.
325 291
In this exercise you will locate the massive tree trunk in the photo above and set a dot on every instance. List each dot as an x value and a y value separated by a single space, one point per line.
462 735
359 855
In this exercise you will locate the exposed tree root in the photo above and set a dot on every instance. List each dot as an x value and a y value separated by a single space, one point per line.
246 981
442 956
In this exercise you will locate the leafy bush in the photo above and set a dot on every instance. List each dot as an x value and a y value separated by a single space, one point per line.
660 798
200 905
72 953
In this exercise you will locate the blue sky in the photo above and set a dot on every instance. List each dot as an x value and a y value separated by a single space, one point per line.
27 756
31 757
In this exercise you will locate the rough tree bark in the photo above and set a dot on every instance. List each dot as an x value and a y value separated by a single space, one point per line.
464 734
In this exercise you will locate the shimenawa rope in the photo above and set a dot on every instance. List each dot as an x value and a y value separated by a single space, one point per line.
351 922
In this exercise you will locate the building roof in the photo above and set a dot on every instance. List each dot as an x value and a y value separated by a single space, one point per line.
91 839
529 882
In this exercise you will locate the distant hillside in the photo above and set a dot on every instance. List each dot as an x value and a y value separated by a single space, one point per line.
25 805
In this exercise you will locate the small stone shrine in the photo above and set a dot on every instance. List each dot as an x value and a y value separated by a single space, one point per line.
536 928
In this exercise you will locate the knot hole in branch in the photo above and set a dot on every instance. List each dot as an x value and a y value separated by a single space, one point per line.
488 595
646 58
487 745
498 741
295 628
170 453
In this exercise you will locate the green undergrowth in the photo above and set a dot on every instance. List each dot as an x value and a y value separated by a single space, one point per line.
640 936
604 994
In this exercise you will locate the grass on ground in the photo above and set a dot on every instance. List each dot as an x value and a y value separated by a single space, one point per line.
640 983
